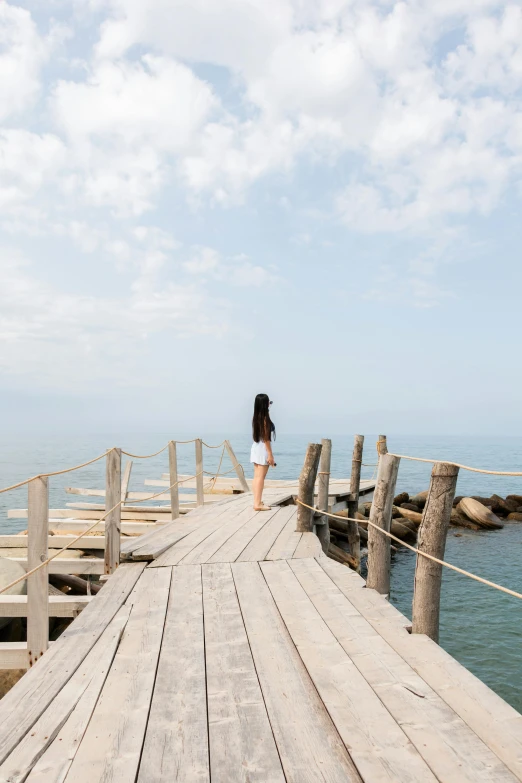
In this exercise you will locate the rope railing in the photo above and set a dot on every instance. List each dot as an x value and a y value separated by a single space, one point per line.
101 456
458 465
417 551
91 527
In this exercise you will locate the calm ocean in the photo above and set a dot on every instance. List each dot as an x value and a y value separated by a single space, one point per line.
480 627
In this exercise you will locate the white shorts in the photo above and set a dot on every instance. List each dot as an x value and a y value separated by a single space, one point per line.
259 454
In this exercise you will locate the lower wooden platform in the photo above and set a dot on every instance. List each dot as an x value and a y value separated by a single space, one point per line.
241 654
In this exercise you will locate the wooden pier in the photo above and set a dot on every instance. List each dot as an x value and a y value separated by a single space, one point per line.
228 647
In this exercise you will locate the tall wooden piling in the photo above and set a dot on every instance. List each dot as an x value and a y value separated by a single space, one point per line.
307 487
173 480
37 583
382 445
113 506
323 483
432 540
380 515
200 497
354 538
239 470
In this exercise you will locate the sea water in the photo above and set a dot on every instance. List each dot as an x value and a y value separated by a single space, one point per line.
481 627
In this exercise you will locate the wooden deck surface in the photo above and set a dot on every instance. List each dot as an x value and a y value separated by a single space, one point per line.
231 649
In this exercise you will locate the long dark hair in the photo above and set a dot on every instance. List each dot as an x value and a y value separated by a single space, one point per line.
262 426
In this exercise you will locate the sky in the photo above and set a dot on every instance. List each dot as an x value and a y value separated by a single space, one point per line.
316 199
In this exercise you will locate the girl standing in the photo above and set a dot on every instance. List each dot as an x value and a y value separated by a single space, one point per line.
261 453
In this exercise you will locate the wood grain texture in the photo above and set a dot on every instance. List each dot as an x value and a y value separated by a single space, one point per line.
287 541
90 676
239 470
22 705
378 746
309 746
176 741
199 472
37 583
323 480
379 552
112 744
306 487
204 551
173 480
113 519
242 746
260 545
231 549
452 751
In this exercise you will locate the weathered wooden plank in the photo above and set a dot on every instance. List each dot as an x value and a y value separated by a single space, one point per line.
22 705
125 480
242 746
239 468
199 471
286 542
232 548
452 751
209 546
379 552
176 741
173 480
379 748
308 743
263 541
55 542
490 717
149 513
111 746
308 546
159 540
59 606
69 565
14 655
37 554
113 510
93 670
221 516
307 481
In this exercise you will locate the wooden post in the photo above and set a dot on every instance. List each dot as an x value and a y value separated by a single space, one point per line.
238 467
112 501
323 481
382 445
382 505
432 540
307 486
173 475
354 538
125 481
38 583
200 497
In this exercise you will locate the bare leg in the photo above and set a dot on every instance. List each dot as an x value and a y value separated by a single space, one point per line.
258 483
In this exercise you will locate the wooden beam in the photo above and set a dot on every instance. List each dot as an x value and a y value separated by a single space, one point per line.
13 655
125 480
354 539
239 468
173 480
59 606
380 515
199 472
69 565
323 480
37 583
113 519
432 540
306 487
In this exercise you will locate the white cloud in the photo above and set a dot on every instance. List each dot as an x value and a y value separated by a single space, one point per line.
26 161
237 271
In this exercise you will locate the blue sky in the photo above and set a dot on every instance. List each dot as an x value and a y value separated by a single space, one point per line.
203 200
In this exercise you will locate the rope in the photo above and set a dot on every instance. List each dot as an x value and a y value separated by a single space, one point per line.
55 473
417 551
145 456
378 444
458 465
223 442
213 482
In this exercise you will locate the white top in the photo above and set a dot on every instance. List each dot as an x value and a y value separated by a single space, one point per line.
259 454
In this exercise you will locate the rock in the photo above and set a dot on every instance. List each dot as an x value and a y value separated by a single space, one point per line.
360 517
519 508
395 512
411 507
479 514
456 500
9 571
402 498
401 531
367 509
459 520
489 502
516 516
516 498
413 516
408 523
504 506
8 678
361 508
420 499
